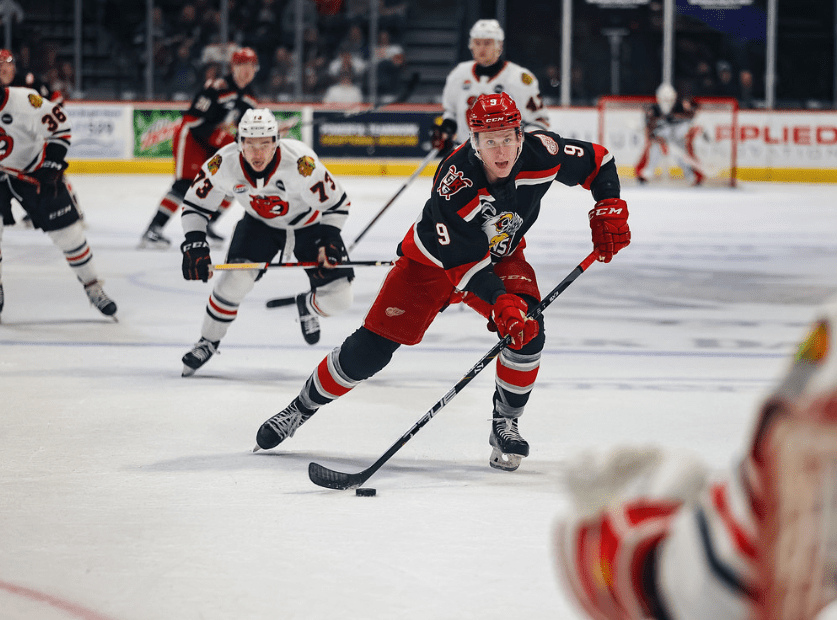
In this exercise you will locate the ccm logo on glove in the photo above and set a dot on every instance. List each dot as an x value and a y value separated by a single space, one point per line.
609 225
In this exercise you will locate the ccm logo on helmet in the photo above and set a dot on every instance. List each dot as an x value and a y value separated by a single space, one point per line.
605 211
496 119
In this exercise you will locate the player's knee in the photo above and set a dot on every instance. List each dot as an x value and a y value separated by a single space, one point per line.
69 237
233 286
364 353
333 298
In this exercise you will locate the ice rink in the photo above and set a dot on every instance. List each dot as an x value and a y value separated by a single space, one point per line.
131 493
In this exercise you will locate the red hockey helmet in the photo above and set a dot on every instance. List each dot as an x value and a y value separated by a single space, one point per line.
6 56
244 55
493 113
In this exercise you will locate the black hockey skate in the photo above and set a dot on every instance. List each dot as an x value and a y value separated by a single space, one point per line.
308 322
509 446
198 356
1 298
99 298
281 426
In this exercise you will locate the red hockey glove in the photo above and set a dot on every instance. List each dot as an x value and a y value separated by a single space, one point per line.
509 316
196 257
221 137
609 223
442 137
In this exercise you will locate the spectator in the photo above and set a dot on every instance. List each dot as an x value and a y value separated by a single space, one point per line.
745 81
64 81
309 19
282 78
347 61
391 75
704 82
184 77
345 91
354 42
265 31
550 84
386 48
725 87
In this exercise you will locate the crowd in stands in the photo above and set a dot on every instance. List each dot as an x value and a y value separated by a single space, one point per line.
336 59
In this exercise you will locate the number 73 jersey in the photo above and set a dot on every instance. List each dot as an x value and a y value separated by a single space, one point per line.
28 124
295 190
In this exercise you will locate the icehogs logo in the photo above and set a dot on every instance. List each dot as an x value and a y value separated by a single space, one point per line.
452 182
214 164
36 100
500 231
549 143
305 165
269 207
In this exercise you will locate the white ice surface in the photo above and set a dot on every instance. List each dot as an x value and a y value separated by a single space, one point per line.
130 493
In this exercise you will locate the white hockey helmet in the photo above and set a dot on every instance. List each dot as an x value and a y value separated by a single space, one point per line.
666 97
487 29
258 123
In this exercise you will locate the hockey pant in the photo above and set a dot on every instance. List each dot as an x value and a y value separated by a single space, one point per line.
419 292
254 242
657 149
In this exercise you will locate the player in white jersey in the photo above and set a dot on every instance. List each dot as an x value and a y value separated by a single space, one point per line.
486 74
655 534
293 205
34 138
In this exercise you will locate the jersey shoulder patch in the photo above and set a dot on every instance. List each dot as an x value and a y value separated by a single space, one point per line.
214 164
526 78
305 165
36 100
550 144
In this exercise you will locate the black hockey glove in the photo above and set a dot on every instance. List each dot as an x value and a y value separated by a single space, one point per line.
49 176
442 136
195 256
332 243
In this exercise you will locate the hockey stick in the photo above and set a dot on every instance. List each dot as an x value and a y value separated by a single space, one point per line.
427 159
305 265
287 301
405 93
331 479
21 176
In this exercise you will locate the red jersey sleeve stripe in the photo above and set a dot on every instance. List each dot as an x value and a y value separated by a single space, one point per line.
602 157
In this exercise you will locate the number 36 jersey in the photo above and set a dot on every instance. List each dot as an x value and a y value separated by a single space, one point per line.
31 126
294 191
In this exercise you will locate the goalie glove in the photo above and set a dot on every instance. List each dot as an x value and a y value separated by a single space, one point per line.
442 136
195 256
609 227
508 317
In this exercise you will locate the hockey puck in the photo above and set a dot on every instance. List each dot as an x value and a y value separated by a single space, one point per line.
365 492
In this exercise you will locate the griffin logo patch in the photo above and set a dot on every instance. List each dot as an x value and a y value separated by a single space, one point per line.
526 78
36 100
452 182
305 165
214 164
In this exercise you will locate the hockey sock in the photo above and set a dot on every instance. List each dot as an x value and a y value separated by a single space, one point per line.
73 243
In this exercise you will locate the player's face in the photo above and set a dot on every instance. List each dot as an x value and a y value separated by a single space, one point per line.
486 51
7 73
258 152
243 73
498 151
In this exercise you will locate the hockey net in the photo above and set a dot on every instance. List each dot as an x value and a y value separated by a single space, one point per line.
707 144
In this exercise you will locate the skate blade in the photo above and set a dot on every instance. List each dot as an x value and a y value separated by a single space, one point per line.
188 371
800 536
506 462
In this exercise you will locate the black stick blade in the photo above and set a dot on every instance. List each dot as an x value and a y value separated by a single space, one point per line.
330 479
280 301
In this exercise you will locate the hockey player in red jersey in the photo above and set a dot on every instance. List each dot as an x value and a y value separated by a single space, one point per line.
467 246
35 135
207 125
655 534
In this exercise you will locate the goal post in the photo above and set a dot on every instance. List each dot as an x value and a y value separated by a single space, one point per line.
707 143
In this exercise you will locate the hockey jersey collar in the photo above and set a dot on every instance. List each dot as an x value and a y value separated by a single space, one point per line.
252 176
491 71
